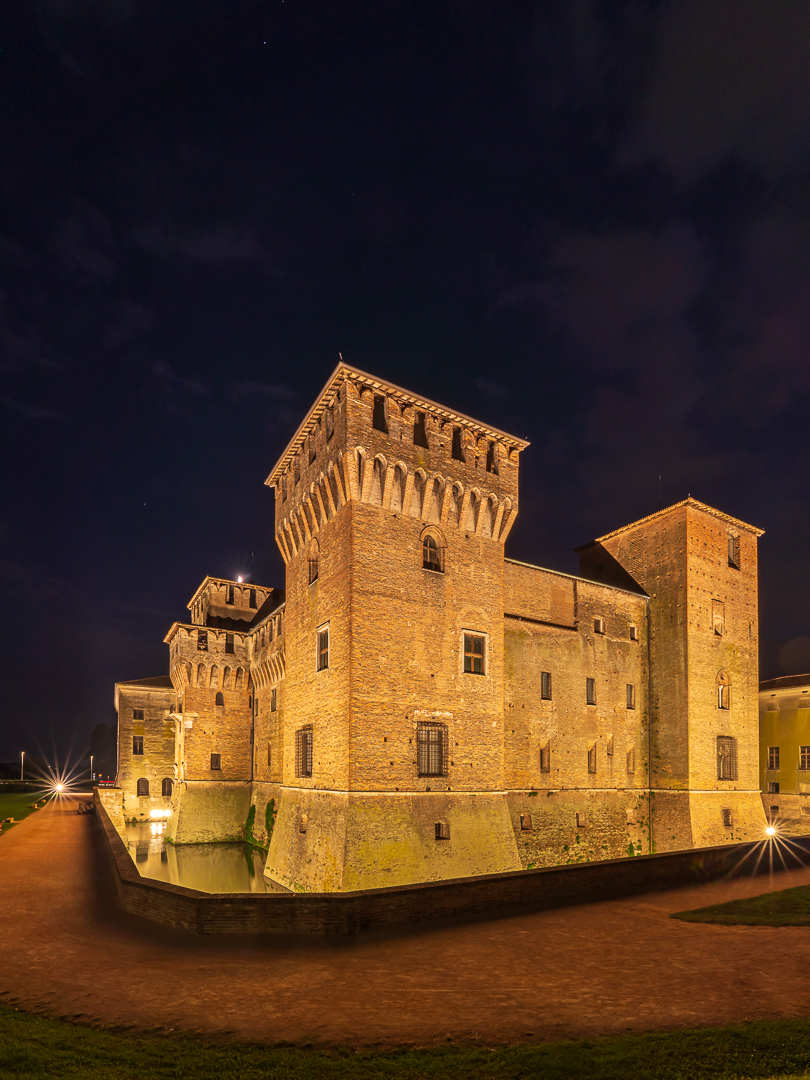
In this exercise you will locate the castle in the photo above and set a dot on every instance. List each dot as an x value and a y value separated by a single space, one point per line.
414 706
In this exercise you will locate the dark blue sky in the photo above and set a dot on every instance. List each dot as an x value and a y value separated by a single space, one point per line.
585 222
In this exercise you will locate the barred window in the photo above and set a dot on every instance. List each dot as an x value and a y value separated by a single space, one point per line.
137 744
631 696
303 751
431 749
202 640
216 761
273 700
734 551
323 649
592 758
431 555
442 830
166 787
137 714
728 819
229 643
804 757
143 786
545 685
474 654
773 757
545 758
726 757
590 691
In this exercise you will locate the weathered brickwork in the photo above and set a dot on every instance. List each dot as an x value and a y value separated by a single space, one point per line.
415 707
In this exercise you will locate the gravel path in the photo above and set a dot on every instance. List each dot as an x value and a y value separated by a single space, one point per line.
67 950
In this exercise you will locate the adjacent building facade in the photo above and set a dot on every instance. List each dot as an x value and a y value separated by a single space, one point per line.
415 706
784 752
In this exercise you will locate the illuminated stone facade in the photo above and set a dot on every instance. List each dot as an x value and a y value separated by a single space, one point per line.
414 706
784 752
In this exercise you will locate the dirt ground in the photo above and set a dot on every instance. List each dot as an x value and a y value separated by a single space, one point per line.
67 950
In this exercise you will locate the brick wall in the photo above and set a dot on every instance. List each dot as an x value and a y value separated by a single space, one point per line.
157 730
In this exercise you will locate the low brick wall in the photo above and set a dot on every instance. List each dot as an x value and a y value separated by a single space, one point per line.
486 896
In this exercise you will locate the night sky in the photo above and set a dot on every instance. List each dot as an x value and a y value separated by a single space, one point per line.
586 223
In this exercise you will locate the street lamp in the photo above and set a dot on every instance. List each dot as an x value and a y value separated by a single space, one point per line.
91 770
22 765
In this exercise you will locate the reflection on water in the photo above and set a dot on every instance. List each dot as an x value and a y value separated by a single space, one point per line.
211 868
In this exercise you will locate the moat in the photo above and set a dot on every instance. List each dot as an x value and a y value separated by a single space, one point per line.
211 868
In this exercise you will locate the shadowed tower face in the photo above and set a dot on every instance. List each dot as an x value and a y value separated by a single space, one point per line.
699 568
391 514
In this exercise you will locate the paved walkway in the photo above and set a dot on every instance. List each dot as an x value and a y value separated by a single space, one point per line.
67 950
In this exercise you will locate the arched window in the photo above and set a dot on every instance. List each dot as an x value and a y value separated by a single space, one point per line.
213 678
166 788
314 560
201 675
436 494
432 554
418 494
378 481
143 786
240 676
723 690
472 511
220 700
360 456
398 488
456 499
226 678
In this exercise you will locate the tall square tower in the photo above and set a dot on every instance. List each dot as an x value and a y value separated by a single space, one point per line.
391 515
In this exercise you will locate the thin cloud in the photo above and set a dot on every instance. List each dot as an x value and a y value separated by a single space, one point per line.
214 244
30 412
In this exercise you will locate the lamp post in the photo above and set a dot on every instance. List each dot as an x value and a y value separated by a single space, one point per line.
22 765
91 770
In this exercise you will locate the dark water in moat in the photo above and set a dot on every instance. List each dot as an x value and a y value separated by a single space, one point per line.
211 868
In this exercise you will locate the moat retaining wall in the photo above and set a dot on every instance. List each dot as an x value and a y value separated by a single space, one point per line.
487 896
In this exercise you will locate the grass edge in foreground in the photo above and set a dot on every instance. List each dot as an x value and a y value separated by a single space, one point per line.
36 1046
785 907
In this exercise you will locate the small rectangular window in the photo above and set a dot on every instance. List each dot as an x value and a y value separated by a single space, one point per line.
610 746
420 431
722 696
592 758
634 633
458 448
727 818
582 819
431 749
599 626
631 696
137 714
773 757
804 757
313 569
323 649
303 823
269 755
380 421
525 822
734 551
442 830
474 654
137 744
590 691
230 594
202 640
718 617
273 700
773 789
545 685
253 598
216 762
545 758
303 752
229 643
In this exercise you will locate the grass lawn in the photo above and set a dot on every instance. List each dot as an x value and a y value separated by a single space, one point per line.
16 804
33 1047
788 907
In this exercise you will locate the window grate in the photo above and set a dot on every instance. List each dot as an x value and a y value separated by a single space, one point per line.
474 654
137 714
432 745
303 751
726 757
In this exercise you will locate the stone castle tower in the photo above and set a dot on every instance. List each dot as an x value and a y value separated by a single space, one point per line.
415 706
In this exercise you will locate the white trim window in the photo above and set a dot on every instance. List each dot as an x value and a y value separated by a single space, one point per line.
322 647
